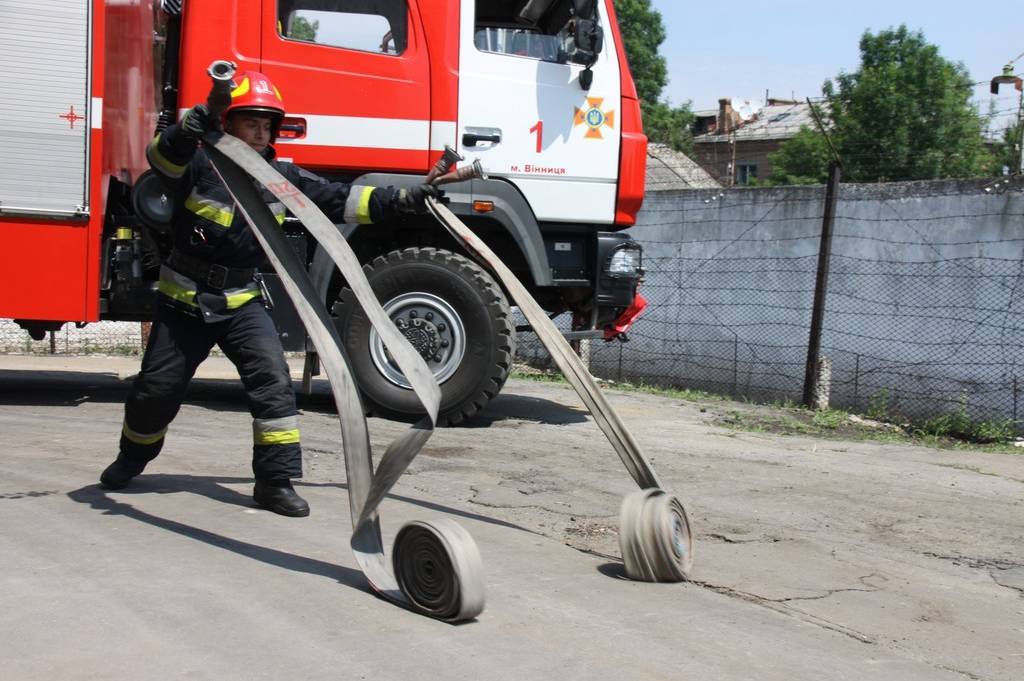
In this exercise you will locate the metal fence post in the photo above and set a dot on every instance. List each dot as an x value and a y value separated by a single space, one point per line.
856 378
821 285
1015 401
735 364
618 376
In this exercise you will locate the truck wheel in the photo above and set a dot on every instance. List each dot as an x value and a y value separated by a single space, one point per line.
452 312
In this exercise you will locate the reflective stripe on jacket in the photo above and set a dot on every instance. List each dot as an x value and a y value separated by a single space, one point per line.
213 304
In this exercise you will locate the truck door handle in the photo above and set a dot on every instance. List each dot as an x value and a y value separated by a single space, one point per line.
292 128
473 136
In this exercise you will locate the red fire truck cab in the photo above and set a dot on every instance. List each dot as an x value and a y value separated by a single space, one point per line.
538 91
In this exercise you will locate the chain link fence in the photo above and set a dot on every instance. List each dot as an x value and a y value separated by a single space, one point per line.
924 314
111 338
934 324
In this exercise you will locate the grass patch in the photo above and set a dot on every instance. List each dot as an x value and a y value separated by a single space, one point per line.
830 419
537 375
958 426
689 395
779 423
949 431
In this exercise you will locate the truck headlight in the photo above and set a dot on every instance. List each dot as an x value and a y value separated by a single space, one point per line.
625 260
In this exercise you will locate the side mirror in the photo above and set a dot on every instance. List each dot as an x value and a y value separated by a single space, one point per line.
589 37
589 41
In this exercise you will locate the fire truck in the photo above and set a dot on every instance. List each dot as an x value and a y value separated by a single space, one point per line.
539 91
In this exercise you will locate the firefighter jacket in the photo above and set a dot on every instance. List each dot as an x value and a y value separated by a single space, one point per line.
211 270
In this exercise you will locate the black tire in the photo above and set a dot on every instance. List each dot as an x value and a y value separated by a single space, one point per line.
460 299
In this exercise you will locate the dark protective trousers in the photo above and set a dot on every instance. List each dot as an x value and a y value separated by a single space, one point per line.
178 343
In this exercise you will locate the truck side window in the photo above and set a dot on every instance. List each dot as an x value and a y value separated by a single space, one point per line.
499 29
366 25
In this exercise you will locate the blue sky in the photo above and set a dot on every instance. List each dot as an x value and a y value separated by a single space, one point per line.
788 47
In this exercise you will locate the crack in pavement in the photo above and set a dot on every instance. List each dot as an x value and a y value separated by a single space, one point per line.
732 540
28 495
1005 573
510 507
780 605
787 599
977 563
979 471
973 677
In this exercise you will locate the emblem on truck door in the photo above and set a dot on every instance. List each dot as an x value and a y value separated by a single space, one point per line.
594 118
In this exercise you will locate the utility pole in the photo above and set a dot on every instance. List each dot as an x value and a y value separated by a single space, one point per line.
732 163
1020 130
812 369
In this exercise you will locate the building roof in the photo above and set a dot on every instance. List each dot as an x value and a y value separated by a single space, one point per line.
773 122
669 169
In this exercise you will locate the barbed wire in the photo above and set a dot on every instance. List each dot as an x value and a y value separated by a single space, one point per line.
924 312
923 316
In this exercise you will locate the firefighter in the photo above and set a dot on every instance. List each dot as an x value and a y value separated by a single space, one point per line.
211 295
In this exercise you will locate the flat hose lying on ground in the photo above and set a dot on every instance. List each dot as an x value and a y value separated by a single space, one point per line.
437 567
655 533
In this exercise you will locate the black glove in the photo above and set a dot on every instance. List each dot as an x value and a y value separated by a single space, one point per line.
414 200
197 122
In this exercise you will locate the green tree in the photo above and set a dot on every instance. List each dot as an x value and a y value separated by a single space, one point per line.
642 34
671 125
905 113
1005 151
304 29
802 159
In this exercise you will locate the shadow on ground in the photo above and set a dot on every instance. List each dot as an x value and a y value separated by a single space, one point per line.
215 488
71 388
97 499
613 570
508 406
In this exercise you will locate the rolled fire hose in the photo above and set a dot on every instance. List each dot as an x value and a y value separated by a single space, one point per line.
436 567
655 535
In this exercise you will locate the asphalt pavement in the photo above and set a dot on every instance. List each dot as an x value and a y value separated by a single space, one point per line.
815 559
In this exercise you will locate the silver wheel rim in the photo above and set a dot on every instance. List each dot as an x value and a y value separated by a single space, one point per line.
433 327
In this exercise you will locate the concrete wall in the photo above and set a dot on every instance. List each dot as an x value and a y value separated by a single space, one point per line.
925 303
925 306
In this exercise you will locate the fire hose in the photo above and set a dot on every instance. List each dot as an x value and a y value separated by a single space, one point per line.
655 535
435 567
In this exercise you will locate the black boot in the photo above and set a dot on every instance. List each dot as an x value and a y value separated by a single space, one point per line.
279 496
119 474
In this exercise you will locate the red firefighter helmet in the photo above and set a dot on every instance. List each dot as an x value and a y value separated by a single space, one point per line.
255 92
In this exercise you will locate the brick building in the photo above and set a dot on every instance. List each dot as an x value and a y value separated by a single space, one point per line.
736 151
